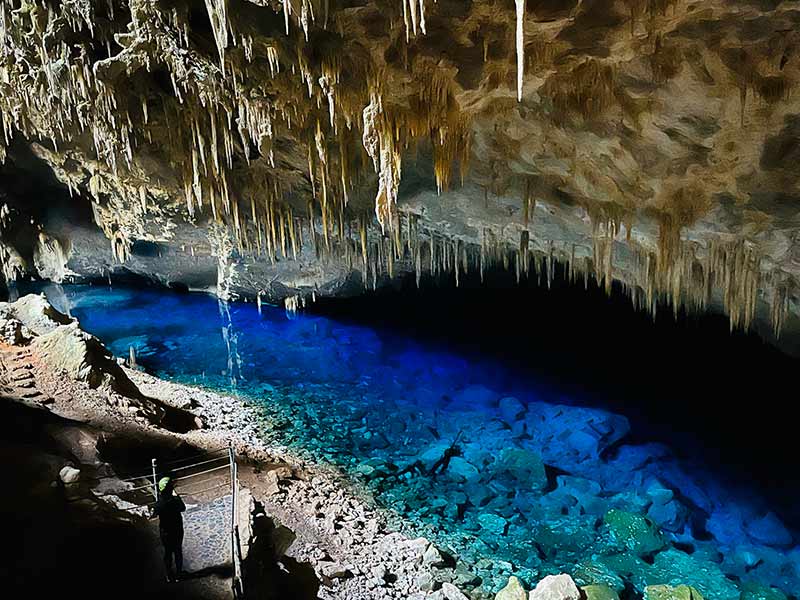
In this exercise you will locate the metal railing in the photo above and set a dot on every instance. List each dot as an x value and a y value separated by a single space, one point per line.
149 481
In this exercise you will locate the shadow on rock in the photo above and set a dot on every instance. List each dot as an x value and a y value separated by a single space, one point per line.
268 572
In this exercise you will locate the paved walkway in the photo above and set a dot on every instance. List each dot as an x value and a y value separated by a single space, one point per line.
207 541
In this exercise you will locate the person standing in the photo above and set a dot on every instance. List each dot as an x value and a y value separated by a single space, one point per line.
168 509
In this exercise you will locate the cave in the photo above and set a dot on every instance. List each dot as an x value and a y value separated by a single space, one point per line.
450 300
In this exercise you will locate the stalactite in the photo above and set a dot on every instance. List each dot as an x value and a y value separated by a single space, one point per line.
520 38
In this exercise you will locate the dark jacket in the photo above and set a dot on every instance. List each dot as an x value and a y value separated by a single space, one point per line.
168 509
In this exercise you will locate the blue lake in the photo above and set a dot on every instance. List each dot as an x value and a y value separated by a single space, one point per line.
537 483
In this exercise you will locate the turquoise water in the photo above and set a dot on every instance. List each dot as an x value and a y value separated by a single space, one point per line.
539 483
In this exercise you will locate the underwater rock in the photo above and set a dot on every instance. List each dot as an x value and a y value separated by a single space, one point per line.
726 524
634 532
479 494
674 566
555 587
589 573
569 436
583 493
461 470
756 591
511 409
599 591
512 591
670 516
668 592
493 524
524 465
475 397
432 557
769 530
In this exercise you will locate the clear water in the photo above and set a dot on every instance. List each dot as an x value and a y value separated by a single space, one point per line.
378 404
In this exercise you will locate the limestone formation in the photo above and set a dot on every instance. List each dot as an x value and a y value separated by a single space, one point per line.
555 587
512 591
338 145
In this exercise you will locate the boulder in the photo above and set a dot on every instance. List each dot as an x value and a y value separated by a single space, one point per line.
462 470
475 396
756 591
599 591
591 573
633 532
524 465
81 356
334 570
511 409
668 592
35 313
670 516
769 530
702 574
494 524
512 591
555 587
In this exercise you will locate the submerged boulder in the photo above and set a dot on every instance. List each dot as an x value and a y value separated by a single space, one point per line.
524 465
668 592
511 409
633 532
475 397
599 591
757 591
769 530
675 567
591 573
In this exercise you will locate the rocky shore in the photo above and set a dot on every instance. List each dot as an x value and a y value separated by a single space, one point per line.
49 362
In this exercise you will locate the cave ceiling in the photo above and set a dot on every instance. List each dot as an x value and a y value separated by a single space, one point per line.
292 143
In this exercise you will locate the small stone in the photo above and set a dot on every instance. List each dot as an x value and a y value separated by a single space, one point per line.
432 557
555 587
451 592
512 591
69 475
333 570
425 582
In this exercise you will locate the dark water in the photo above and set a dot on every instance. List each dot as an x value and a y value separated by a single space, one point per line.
545 479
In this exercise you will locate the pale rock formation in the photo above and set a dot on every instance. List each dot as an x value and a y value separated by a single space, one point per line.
555 587
512 591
